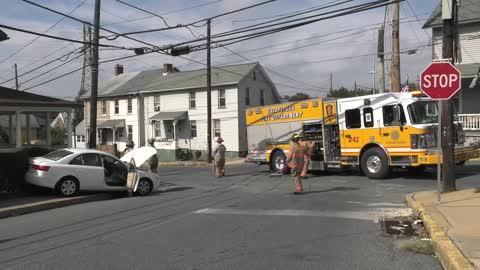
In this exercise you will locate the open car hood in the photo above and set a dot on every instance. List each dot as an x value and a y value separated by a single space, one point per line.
139 155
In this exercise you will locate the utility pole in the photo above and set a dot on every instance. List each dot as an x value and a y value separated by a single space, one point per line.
331 81
395 72
16 77
381 59
94 91
449 16
209 91
374 65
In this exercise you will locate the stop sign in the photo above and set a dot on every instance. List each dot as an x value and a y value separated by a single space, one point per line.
440 81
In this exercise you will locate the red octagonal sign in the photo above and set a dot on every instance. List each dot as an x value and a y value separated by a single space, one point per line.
440 81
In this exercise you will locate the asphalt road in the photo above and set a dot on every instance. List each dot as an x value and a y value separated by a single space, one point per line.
247 220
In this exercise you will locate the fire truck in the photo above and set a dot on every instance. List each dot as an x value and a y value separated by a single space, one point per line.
373 132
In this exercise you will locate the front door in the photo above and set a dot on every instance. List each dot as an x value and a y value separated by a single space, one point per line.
394 133
89 171
115 171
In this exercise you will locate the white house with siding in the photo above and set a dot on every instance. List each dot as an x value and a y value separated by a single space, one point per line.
468 49
170 106
467 60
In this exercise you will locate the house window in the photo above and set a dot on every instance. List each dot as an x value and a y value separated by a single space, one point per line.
193 129
352 118
262 97
158 129
221 98
130 132
117 106
216 127
83 138
156 103
247 96
254 76
129 105
104 107
192 101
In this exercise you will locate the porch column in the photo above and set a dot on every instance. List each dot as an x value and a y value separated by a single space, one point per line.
113 137
10 129
174 130
47 128
19 129
69 128
27 128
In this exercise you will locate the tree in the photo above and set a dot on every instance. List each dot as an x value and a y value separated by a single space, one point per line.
343 92
298 97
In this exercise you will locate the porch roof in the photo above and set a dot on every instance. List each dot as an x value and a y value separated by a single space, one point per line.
113 123
177 115
12 97
468 70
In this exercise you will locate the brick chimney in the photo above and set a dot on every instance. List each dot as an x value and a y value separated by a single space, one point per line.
118 69
167 68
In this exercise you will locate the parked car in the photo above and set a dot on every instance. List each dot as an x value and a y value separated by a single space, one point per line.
68 171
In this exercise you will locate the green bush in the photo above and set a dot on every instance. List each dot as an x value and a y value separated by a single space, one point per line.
14 165
36 151
13 169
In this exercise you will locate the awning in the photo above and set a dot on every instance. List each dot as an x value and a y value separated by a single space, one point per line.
116 123
170 116
468 70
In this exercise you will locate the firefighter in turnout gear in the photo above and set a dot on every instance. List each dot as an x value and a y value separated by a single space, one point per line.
296 161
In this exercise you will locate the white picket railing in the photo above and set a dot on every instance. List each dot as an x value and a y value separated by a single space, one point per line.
470 121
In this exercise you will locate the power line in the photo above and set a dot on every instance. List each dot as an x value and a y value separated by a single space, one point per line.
39 67
59 38
146 11
88 23
354 9
166 13
113 37
44 32
271 70
284 14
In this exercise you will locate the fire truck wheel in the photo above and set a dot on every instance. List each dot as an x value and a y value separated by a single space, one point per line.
279 160
375 164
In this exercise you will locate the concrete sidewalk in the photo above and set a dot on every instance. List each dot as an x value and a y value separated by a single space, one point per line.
192 163
454 225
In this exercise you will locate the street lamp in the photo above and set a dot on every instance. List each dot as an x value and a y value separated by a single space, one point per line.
3 36
373 73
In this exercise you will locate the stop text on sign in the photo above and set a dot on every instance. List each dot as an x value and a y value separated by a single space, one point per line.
440 80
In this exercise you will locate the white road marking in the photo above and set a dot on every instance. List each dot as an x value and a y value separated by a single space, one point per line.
370 215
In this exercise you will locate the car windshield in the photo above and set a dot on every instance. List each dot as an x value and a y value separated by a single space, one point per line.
57 155
423 112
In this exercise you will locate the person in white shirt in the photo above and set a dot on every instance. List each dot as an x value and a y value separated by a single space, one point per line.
219 157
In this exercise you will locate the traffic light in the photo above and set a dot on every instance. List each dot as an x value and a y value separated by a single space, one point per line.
180 50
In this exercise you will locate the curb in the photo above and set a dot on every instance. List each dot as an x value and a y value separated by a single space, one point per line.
50 204
447 252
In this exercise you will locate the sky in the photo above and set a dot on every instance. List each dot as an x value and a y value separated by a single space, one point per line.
297 60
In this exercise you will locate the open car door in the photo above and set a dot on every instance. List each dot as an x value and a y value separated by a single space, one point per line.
132 178
135 159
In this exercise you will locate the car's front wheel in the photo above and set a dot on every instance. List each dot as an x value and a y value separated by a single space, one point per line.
144 187
67 187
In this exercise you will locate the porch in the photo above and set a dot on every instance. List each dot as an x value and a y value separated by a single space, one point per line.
471 126
29 120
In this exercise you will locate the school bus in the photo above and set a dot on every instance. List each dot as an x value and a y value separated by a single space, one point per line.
373 132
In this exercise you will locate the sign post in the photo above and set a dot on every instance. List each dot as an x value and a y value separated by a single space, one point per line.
440 81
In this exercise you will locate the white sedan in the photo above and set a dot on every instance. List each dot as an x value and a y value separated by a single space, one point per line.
70 170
